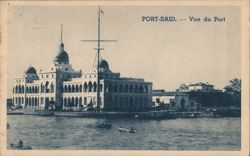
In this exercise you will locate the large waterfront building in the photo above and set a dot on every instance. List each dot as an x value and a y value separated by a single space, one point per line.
61 87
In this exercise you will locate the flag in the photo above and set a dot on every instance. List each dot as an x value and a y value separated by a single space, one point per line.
102 12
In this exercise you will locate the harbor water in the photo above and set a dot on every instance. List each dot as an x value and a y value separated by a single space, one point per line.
69 133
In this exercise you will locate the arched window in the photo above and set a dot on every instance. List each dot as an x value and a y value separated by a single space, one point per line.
77 88
94 87
80 88
47 87
121 88
73 88
69 89
76 101
22 89
69 103
65 89
90 87
32 102
33 89
30 90
126 88
19 89
65 102
80 101
85 87
136 89
72 101
140 89
35 101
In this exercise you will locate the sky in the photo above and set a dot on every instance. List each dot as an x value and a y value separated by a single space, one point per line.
165 53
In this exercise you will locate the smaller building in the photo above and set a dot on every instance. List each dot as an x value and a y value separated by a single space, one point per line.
172 100
200 86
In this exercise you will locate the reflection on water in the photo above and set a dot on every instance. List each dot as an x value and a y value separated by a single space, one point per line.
81 133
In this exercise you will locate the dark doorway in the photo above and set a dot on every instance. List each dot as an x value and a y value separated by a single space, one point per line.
183 104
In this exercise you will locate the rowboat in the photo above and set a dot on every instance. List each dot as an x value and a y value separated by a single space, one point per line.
131 130
18 147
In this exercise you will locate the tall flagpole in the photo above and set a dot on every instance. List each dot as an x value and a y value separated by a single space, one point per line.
98 56
98 49
61 33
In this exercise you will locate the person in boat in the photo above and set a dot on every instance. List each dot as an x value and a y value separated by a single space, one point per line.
20 143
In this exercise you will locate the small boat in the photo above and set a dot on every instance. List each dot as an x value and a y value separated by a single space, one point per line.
131 130
20 146
104 125
17 147
191 116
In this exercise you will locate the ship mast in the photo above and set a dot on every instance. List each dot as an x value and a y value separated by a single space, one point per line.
98 49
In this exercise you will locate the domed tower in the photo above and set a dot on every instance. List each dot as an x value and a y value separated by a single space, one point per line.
30 70
62 56
30 74
104 66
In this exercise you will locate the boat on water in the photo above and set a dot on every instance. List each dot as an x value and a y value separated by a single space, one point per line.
131 130
17 147
104 125
20 146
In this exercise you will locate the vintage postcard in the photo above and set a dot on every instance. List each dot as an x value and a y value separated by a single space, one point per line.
124 78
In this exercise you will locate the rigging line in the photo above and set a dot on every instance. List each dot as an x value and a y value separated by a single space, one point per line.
95 60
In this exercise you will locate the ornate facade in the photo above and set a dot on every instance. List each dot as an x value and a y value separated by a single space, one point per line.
61 87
